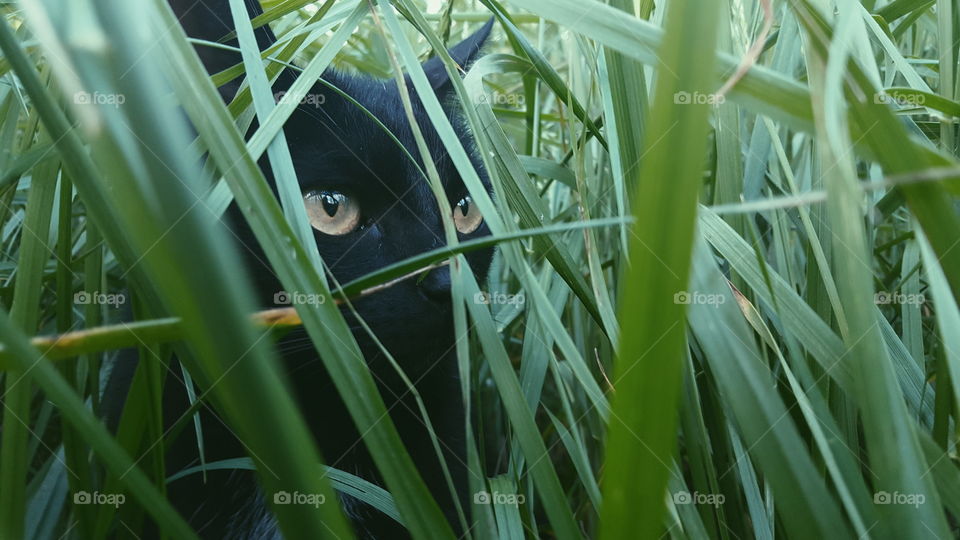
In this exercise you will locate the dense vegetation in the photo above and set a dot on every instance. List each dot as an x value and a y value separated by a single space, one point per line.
723 304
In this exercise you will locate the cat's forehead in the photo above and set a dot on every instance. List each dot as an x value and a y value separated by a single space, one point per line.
339 143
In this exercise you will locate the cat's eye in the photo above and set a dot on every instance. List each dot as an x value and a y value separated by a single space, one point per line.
466 216
332 212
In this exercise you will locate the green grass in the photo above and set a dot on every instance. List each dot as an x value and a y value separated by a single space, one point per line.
739 316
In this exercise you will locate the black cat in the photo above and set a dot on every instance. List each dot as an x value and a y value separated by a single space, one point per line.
370 206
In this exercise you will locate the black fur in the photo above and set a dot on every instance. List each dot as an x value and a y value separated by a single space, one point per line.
335 145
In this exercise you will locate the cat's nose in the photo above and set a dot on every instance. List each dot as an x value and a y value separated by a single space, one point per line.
436 284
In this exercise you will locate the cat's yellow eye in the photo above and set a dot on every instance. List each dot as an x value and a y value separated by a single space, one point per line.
466 216
332 212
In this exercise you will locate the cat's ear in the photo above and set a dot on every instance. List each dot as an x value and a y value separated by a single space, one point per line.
211 20
464 54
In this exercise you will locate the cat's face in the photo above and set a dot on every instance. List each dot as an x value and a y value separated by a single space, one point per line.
369 203
371 206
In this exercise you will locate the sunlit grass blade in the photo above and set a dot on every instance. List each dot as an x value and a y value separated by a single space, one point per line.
650 362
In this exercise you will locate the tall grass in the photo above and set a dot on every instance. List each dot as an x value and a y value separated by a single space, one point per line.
731 253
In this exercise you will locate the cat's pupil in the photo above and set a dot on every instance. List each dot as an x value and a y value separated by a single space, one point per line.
330 203
464 205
